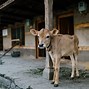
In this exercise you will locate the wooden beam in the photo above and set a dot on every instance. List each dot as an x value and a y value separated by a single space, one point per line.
48 71
49 14
31 11
22 15
6 16
6 3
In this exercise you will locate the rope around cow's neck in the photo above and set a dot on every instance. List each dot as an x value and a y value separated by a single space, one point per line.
48 48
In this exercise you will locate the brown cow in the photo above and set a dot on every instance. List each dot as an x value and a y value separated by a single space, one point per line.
58 45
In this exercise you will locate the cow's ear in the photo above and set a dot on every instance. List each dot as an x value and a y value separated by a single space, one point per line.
34 32
54 32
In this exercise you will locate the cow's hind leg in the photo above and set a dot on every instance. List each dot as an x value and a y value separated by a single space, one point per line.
73 66
76 66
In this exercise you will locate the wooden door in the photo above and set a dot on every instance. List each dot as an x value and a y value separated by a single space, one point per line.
66 24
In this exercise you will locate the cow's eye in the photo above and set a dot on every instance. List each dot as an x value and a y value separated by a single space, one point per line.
47 36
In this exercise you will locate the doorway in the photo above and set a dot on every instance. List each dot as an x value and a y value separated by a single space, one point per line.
40 52
18 33
66 24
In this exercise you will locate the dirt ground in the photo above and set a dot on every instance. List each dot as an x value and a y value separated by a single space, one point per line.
27 71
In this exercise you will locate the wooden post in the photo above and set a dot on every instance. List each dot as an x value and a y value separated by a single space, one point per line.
48 71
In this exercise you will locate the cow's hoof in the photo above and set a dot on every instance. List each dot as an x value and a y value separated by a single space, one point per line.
52 82
55 85
71 78
77 77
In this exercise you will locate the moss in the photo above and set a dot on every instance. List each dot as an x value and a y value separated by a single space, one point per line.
84 74
38 71
66 72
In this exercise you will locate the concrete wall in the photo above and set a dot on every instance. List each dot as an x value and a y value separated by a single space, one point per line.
27 49
81 32
7 39
29 38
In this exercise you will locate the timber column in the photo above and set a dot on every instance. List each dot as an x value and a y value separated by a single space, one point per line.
48 71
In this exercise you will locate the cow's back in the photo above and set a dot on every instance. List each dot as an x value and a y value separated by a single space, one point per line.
64 44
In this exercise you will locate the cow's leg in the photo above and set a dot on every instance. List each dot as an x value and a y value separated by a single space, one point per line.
54 72
56 69
76 65
73 66
53 60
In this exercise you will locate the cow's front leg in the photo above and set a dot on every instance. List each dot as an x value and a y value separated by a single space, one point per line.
53 73
56 70
53 60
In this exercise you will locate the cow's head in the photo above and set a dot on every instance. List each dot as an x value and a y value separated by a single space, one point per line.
44 36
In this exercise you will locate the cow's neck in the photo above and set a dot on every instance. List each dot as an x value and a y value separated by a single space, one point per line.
49 47
52 45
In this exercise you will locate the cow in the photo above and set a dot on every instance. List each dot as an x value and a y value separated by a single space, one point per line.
58 45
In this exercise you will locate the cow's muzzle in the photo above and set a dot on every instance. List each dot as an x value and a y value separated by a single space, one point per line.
41 46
